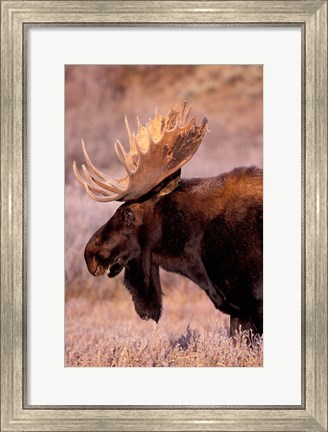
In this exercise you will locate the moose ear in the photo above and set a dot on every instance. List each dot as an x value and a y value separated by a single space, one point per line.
129 216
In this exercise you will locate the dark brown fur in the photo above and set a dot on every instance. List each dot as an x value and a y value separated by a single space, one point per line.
208 230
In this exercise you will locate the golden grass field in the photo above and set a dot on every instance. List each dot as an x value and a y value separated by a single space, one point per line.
106 332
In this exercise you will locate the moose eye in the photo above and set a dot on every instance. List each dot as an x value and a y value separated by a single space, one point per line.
128 216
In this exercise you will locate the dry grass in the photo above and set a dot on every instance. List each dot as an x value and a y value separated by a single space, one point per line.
108 333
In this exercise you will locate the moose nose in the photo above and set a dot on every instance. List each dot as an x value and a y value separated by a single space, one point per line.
97 272
92 264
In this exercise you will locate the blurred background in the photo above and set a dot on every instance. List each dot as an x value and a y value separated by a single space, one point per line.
96 100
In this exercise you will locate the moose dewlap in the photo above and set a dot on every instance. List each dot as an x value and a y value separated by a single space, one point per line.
209 230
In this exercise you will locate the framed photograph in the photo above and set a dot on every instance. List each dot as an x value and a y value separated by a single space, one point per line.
178 150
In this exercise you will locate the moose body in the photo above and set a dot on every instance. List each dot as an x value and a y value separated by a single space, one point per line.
209 230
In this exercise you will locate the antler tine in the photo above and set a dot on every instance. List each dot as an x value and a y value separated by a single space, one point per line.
191 122
108 198
127 127
90 164
105 186
186 116
204 122
133 147
121 149
139 123
182 110
77 174
122 156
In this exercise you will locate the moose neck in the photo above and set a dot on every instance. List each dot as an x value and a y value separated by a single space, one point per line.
167 186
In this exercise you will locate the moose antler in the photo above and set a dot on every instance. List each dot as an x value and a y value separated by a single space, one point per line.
157 151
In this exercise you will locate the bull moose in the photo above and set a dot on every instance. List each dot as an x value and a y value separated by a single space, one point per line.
209 230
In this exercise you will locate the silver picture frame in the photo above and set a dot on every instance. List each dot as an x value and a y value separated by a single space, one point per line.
16 18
